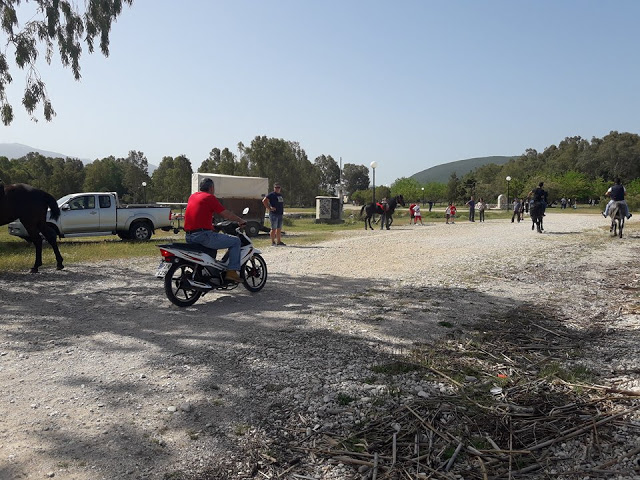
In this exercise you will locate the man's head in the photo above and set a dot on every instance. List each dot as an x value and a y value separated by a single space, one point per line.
206 185
277 187
617 181
541 184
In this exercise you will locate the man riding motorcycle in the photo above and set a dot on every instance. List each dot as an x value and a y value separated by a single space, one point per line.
198 225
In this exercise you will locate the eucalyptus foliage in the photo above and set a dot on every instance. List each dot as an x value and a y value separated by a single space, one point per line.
57 25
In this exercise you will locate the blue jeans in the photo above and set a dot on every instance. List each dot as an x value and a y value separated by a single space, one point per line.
610 204
211 239
276 220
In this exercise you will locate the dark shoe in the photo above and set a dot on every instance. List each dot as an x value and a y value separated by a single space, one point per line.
630 215
273 244
282 244
233 276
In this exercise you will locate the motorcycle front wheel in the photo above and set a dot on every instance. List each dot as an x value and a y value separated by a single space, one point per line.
254 273
177 287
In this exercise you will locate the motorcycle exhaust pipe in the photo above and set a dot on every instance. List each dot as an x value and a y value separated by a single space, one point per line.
199 285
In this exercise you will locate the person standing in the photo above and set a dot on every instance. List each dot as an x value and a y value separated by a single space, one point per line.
274 203
430 204
472 210
198 225
516 209
416 214
411 213
481 206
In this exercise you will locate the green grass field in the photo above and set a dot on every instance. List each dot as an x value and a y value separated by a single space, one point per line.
18 255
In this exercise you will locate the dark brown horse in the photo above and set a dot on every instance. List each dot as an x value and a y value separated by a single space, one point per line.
29 205
536 212
387 215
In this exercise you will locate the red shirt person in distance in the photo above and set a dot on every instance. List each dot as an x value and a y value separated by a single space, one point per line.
198 225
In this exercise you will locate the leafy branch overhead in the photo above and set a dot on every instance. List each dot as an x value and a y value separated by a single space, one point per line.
57 25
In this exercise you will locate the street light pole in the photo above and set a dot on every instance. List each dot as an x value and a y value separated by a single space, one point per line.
144 191
508 180
373 166
422 196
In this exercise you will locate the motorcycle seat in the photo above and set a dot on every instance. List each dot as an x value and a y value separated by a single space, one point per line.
195 247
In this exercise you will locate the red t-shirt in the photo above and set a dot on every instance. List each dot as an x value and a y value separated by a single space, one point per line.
200 209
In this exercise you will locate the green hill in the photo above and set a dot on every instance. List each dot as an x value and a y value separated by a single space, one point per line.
442 173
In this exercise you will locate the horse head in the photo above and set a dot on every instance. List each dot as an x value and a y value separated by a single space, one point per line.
400 200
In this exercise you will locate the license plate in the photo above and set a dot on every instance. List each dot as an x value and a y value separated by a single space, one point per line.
163 268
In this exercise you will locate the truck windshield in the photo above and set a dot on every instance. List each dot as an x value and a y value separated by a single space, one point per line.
63 200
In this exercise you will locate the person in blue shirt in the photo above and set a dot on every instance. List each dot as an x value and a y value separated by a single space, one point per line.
274 203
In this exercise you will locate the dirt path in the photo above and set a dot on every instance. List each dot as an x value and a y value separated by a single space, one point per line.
102 378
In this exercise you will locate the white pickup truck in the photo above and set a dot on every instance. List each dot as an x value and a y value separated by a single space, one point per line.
99 213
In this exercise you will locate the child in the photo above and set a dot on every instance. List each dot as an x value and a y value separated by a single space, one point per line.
411 214
416 215
450 212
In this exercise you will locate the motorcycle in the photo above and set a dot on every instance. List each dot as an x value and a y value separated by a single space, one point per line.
191 270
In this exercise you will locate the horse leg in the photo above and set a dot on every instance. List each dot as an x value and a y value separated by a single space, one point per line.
50 235
383 220
34 235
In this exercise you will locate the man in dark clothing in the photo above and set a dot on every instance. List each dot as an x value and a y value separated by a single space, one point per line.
274 203
472 210
617 192
539 195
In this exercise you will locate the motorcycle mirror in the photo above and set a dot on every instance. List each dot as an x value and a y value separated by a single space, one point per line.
245 211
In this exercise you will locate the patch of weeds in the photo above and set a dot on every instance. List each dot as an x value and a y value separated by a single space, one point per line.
355 444
578 373
344 399
370 380
446 324
218 402
480 443
163 430
193 435
241 429
395 368
63 464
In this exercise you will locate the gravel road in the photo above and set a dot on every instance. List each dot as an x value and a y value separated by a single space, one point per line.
103 378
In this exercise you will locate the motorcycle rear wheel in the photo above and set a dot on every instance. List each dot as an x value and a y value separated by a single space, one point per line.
176 286
254 273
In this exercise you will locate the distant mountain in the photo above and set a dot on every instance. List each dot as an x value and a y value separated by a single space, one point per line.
442 173
18 150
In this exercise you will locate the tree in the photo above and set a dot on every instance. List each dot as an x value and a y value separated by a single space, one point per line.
409 188
356 177
453 188
104 176
222 162
329 173
57 23
135 171
172 179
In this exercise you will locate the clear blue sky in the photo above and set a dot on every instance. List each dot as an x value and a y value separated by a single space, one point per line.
409 84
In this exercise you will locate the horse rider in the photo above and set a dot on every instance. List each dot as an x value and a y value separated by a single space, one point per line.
616 192
539 195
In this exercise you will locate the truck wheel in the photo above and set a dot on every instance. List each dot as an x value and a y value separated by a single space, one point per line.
140 231
252 228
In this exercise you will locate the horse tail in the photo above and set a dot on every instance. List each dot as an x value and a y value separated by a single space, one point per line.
362 209
52 204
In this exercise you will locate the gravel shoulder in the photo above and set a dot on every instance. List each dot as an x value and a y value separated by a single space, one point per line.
103 378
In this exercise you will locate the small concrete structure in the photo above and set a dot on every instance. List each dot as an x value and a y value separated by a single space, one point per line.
328 210
502 202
